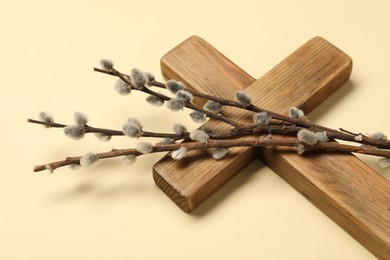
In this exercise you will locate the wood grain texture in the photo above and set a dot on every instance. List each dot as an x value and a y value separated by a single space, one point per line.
201 67
342 186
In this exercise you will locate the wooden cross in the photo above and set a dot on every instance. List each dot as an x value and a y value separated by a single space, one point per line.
348 191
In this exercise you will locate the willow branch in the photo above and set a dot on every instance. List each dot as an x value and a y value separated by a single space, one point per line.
304 122
189 105
112 132
220 134
125 78
254 142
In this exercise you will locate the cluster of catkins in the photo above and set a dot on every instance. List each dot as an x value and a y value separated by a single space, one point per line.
137 80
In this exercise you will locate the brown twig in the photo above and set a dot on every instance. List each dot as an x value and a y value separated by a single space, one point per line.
111 132
304 122
220 134
253 142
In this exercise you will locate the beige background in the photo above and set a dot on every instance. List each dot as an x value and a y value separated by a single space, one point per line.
115 211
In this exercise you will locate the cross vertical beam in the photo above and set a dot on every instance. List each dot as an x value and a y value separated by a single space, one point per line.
342 186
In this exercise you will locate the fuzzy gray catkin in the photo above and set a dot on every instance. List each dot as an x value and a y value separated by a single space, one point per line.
219 153
131 129
46 117
138 78
122 87
174 86
168 141
144 147
199 136
175 104
74 131
179 153
296 112
185 95
322 136
129 159
103 137
378 136
80 118
134 120
261 118
155 101
212 106
307 137
149 76
179 129
88 159
198 117
106 64
243 98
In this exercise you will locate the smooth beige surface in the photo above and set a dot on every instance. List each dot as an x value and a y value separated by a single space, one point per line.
114 211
